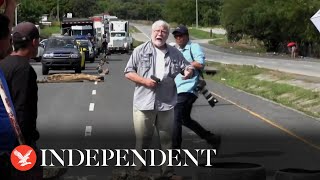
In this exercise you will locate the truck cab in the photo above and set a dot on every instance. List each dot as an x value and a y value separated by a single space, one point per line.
81 30
77 26
119 38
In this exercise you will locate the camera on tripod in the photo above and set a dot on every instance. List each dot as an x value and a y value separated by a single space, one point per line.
201 87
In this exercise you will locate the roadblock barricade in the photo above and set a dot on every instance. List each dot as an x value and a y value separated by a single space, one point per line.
53 173
58 78
230 171
297 174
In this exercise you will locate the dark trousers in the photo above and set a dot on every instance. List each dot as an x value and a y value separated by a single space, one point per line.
5 166
8 172
182 112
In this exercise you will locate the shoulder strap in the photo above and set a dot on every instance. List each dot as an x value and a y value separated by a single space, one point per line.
191 52
200 71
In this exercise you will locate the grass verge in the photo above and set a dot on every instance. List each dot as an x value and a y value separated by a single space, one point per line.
136 43
199 34
244 45
276 88
134 30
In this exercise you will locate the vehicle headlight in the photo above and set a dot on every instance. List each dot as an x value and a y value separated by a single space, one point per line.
75 55
125 44
48 55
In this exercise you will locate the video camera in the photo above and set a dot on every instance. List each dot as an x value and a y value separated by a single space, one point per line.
201 87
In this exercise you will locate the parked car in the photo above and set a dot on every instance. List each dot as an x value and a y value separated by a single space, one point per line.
61 52
41 47
43 42
39 54
87 48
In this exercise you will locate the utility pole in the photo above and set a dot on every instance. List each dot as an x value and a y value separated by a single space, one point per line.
16 14
147 10
197 14
58 15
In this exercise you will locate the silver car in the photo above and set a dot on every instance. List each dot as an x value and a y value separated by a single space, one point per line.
41 47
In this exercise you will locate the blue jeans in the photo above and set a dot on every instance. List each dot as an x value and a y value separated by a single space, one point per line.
182 112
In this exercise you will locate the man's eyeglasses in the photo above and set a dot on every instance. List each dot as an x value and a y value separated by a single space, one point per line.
160 31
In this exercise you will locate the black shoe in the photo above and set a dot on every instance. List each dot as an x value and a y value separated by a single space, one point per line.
214 140
173 177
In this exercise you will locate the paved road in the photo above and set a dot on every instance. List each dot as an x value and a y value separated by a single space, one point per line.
302 66
253 130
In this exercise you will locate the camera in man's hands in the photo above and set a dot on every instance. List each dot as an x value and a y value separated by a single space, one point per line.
201 87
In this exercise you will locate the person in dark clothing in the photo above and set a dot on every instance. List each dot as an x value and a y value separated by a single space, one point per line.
21 79
105 44
187 93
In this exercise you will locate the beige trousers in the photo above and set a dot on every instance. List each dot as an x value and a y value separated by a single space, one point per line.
144 124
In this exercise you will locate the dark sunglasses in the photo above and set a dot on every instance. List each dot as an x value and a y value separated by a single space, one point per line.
178 35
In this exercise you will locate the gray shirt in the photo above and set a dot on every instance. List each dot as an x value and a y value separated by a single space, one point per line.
143 62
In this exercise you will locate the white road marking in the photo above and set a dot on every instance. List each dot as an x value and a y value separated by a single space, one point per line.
91 107
96 82
88 131
307 65
94 92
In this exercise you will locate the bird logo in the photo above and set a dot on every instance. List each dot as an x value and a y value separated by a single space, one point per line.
23 158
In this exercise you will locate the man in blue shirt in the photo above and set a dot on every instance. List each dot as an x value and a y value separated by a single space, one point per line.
187 95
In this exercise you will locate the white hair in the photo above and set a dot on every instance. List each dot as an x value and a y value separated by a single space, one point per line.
160 23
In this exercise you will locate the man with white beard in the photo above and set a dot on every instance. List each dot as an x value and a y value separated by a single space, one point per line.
154 99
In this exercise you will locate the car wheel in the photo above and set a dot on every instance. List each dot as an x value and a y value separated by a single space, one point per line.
84 66
78 70
38 59
45 70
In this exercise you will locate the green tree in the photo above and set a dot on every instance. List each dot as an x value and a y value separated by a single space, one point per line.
180 11
30 10
232 11
209 12
83 8
275 22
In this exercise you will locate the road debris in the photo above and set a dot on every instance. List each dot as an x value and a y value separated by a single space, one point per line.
210 70
57 78
102 68
54 172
